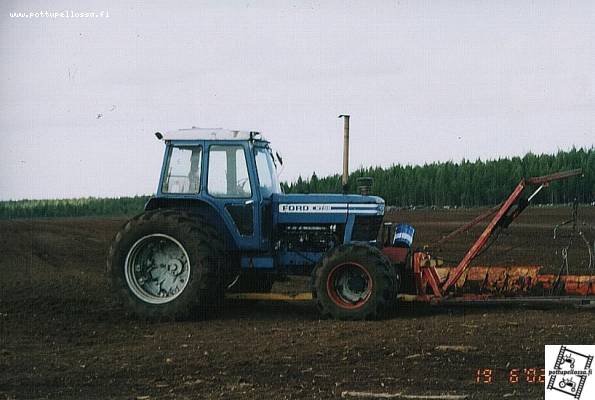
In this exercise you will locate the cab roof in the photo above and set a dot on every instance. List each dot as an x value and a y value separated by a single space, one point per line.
195 133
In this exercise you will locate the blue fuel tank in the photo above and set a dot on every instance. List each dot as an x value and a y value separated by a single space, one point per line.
403 235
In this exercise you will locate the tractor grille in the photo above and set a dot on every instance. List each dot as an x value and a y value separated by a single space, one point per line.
366 227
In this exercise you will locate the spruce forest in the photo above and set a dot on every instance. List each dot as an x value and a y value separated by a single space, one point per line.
455 184
467 183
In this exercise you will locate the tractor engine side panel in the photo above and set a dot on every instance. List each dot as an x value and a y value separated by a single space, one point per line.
300 246
307 226
317 238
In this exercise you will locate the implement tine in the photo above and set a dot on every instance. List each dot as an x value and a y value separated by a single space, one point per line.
466 227
540 180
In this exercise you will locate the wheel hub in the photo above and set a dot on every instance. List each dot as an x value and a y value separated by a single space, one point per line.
157 268
349 285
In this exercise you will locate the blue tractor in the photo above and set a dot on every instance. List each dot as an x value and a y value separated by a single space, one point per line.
220 223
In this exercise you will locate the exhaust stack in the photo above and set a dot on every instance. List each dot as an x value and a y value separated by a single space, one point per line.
345 178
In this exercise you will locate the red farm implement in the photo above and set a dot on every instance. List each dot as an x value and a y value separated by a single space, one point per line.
434 283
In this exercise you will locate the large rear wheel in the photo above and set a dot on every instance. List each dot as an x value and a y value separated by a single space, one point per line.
167 263
354 282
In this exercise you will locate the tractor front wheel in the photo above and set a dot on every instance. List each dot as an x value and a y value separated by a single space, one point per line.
354 282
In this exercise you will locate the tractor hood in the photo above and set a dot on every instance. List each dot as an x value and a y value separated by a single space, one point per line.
324 208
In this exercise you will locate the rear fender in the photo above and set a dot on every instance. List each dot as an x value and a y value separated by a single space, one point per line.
200 207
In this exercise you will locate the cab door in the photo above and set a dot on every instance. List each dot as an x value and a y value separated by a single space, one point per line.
230 185
268 185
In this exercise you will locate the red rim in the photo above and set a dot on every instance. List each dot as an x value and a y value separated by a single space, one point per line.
340 276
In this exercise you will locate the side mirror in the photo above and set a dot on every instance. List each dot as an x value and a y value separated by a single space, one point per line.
279 158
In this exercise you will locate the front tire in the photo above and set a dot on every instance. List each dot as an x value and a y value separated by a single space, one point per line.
354 282
167 264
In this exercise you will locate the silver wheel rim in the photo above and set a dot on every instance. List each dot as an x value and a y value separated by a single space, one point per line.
157 268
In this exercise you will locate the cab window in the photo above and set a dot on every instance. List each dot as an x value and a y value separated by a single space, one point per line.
182 174
267 173
228 172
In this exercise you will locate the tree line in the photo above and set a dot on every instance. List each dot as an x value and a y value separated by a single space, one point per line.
463 184
466 183
72 207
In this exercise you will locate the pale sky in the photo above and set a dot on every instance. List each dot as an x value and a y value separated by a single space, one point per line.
423 81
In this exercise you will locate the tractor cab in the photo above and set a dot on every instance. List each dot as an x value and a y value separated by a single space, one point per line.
230 174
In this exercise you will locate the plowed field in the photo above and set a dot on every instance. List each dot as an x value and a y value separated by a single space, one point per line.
63 335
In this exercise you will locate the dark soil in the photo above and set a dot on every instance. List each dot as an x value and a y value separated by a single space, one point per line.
62 335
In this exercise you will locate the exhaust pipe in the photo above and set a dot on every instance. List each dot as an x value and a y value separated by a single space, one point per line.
345 178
